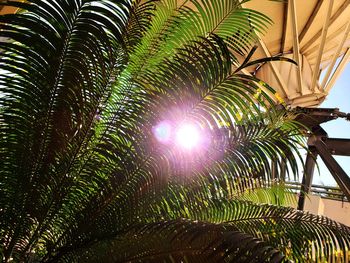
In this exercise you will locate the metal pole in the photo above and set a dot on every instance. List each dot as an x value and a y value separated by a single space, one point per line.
307 177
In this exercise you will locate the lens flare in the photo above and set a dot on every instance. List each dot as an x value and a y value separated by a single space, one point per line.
162 132
187 136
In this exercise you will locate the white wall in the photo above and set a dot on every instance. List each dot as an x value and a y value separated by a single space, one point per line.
336 210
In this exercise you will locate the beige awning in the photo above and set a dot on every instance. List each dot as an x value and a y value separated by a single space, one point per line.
314 33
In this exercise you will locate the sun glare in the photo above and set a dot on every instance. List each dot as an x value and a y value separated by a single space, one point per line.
187 136
162 132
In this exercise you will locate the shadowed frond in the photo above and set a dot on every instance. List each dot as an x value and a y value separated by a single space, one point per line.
178 241
299 235
58 61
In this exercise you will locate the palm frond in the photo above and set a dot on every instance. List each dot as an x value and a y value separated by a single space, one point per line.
138 23
299 235
177 241
84 84
275 194
149 167
57 62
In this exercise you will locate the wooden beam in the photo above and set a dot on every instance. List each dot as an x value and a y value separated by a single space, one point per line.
296 47
335 56
274 69
284 27
311 53
310 20
313 40
307 99
322 44
338 70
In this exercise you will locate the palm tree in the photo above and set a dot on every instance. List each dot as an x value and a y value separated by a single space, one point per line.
87 87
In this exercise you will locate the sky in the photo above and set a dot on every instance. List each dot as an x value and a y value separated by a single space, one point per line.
339 97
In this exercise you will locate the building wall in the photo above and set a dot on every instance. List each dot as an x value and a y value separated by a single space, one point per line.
336 210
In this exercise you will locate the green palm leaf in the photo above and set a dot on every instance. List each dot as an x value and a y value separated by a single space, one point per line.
57 70
177 241
262 193
83 84
300 236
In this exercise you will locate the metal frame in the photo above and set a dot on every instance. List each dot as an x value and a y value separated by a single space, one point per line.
338 173
320 145
328 192
307 177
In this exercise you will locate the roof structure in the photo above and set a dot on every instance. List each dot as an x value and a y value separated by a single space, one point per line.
315 33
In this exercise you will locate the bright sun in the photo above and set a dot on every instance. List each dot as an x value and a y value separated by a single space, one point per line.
187 136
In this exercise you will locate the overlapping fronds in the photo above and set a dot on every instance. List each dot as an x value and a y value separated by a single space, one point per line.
84 83
300 236
262 193
58 61
178 241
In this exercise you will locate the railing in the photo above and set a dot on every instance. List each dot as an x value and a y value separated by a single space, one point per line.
328 192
